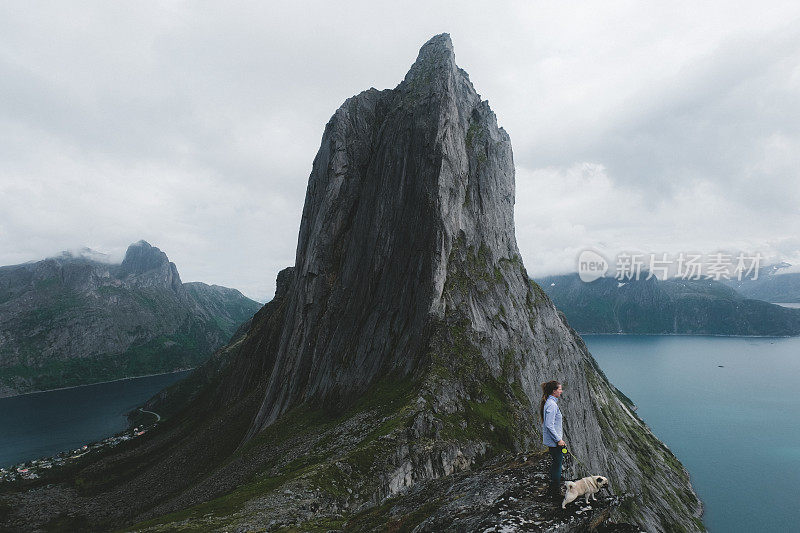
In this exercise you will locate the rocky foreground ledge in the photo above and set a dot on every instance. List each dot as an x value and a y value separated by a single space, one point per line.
506 494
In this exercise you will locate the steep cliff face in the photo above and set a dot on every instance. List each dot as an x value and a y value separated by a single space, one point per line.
383 208
407 344
72 319
147 266
407 262
402 177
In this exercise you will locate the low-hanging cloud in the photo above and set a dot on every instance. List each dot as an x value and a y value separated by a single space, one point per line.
194 125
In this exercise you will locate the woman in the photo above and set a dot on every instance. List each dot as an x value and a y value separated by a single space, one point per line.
552 434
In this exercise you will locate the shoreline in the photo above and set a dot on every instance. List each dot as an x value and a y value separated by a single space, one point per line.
697 335
97 383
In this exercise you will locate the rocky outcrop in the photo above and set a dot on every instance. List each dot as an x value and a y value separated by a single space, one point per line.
508 494
671 306
406 345
74 319
147 266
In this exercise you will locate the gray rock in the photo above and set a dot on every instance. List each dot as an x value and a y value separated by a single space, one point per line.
403 351
407 234
76 319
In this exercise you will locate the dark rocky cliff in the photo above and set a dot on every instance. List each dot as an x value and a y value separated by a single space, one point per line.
406 345
72 320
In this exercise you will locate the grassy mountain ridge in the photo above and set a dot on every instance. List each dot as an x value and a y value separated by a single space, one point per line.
672 306
72 320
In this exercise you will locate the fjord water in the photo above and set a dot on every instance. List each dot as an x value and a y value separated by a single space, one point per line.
729 408
736 428
45 423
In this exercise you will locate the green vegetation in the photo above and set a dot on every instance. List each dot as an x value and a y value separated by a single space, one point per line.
27 362
381 517
473 131
388 400
223 506
473 139
386 410
468 266
59 302
493 411
45 284
539 295
163 354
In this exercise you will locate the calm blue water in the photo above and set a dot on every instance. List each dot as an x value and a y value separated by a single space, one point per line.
736 428
45 423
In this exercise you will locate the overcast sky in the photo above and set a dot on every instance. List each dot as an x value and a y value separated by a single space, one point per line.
657 127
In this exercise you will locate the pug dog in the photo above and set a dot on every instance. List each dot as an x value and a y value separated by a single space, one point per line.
587 486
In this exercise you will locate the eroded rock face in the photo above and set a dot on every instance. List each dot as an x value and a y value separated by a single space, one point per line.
406 344
148 266
407 247
401 177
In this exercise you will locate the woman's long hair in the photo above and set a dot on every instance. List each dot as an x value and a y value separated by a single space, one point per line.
547 390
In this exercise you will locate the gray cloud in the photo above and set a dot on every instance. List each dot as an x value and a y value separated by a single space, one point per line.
194 125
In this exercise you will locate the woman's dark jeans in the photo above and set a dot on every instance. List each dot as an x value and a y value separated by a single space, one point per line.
555 468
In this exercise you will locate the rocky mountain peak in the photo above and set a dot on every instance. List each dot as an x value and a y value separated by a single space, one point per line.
436 59
405 345
401 177
407 335
407 266
141 257
145 264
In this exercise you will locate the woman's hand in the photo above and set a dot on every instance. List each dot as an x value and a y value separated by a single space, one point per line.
562 443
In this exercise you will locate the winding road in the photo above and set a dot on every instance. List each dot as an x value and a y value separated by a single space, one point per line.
158 416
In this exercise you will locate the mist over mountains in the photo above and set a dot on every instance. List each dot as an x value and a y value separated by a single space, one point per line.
78 318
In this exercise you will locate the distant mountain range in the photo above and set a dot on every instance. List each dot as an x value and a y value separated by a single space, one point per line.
76 319
694 307
772 285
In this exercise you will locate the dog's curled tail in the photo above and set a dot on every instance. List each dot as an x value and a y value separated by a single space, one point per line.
569 484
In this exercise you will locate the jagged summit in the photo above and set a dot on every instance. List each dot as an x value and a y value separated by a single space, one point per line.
439 47
73 319
435 74
399 177
405 344
150 266
141 257
407 267
435 58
